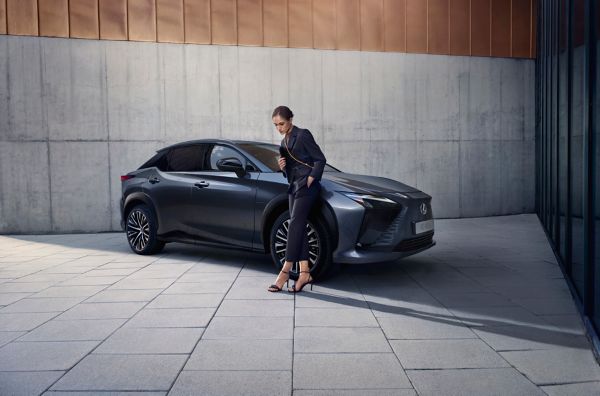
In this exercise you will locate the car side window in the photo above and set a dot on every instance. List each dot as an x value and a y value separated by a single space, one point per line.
219 152
187 159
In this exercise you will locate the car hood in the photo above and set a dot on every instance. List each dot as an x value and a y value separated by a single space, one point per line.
366 184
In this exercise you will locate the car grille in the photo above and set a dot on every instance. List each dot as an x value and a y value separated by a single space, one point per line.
415 243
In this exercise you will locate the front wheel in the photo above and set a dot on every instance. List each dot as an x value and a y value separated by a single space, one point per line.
319 246
141 231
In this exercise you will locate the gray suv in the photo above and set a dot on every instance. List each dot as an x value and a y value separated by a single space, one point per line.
232 194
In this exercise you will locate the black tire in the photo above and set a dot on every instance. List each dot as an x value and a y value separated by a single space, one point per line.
321 264
140 230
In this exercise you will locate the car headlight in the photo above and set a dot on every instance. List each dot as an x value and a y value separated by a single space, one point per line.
364 199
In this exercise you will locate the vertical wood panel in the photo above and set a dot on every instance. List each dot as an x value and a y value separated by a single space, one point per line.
250 22
141 20
54 18
324 24
169 21
223 21
521 19
480 27
395 25
197 21
348 24
371 25
501 27
22 17
416 26
2 16
438 30
113 19
300 23
275 23
83 17
534 6
460 27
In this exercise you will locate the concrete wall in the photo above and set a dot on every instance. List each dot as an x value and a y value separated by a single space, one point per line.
76 114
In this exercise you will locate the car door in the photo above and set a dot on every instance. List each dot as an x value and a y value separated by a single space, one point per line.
170 188
223 202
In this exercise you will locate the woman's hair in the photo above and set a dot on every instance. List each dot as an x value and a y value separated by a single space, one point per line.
284 112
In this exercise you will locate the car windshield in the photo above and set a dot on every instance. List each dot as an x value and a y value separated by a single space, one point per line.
268 153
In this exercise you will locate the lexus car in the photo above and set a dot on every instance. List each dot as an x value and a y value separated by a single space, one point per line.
232 194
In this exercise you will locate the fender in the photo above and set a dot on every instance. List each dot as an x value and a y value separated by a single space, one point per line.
135 198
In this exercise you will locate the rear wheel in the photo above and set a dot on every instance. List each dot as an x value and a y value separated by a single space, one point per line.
319 246
141 228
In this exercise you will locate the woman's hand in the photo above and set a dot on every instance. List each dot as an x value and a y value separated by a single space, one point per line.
309 181
281 163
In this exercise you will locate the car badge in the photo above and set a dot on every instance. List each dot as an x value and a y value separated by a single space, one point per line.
423 209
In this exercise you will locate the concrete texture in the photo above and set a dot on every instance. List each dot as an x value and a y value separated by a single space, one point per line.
76 114
464 318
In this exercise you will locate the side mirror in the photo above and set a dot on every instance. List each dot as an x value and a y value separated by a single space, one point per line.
231 165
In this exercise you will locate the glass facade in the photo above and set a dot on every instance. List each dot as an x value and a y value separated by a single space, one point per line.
568 143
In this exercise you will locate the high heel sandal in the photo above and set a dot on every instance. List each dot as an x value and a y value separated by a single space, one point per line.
277 288
309 281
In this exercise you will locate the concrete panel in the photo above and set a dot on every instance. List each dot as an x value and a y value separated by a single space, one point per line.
254 95
280 83
24 186
229 91
437 173
342 96
492 178
397 160
23 101
79 186
75 89
436 93
306 90
134 91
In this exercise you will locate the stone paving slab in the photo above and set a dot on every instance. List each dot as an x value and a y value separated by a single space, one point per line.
245 354
56 304
133 341
579 389
351 392
27 383
348 371
196 300
232 383
124 296
74 330
264 328
335 317
123 373
446 354
340 340
24 321
43 356
480 382
555 366
116 310
172 317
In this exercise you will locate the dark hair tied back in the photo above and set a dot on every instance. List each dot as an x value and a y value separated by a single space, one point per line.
283 112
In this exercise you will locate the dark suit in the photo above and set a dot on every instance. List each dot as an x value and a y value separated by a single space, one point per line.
309 161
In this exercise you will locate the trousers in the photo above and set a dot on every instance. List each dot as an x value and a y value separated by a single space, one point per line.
300 203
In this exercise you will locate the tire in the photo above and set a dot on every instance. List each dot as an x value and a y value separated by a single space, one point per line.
321 265
140 229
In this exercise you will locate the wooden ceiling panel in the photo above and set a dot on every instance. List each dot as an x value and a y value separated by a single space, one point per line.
169 21
371 25
394 14
324 24
54 18
113 19
460 27
348 24
197 21
83 17
250 22
275 23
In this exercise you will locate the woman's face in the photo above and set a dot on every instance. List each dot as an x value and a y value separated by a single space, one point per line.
282 125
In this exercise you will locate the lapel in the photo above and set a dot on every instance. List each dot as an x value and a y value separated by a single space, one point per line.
293 136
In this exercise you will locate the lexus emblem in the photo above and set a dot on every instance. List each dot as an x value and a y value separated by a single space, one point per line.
423 209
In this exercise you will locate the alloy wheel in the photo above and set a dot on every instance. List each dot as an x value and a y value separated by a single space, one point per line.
138 230
314 245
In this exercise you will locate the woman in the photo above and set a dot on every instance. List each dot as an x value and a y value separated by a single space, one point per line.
302 162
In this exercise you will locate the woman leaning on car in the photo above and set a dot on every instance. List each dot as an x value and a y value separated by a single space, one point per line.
302 162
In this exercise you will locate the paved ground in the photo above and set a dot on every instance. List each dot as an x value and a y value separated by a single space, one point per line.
485 312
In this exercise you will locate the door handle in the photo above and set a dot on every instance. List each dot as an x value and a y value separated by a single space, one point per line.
154 180
201 184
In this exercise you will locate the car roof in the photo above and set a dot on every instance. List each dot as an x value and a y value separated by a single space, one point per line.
204 141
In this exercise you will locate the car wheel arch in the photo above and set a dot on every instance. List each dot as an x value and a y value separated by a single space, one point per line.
136 199
276 207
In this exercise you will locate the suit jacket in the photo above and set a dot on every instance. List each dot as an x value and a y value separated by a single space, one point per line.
302 145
